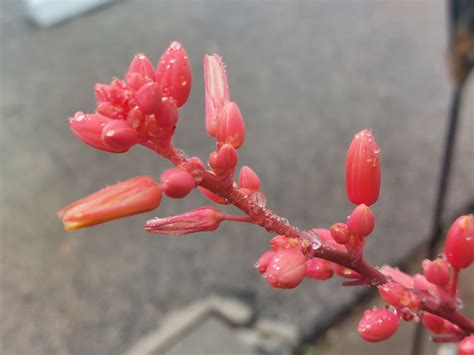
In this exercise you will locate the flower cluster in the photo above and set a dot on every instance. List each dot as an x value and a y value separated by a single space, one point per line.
144 109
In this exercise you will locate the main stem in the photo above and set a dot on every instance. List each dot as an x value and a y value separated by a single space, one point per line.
273 223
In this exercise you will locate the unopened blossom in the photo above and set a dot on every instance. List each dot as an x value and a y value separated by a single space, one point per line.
363 169
230 126
177 183
340 233
377 325
173 73
126 198
318 269
459 246
248 179
203 219
391 292
361 221
437 271
216 90
286 268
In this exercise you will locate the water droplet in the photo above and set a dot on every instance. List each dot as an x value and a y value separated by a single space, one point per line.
255 264
285 221
184 83
110 133
172 60
376 150
459 304
441 256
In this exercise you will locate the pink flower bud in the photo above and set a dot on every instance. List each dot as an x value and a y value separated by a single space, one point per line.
230 126
177 183
248 179
436 272
216 90
363 169
148 98
420 282
377 325
126 198
173 73
433 323
225 160
345 272
361 222
264 261
89 128
167 115
203 219
119 136
142 66
391 292
286 269
213 197
318 269
340 233
466 346
459 246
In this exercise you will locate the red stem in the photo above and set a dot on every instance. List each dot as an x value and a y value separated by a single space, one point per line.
275 224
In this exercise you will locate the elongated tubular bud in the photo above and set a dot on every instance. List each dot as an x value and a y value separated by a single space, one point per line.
459 246
203 219
216 90
126 198
286 268
173 73
177 183
118 136
142 66
89 127
433 323
230 127
363 169
437 271
361 222
377 325
148 98
248 179
318 269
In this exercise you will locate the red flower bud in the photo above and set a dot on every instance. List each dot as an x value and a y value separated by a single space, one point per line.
98 131
148 98
340 233
177 183
230 126
391 293
363 169
119 136
173 73
318 269
248 179
436 272
167 114
225 160
264 261
377 325
126 198
203 219
286 268
466 346
216 89
459 246
361 222
142 66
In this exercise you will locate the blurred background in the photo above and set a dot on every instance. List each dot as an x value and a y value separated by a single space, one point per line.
307 75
